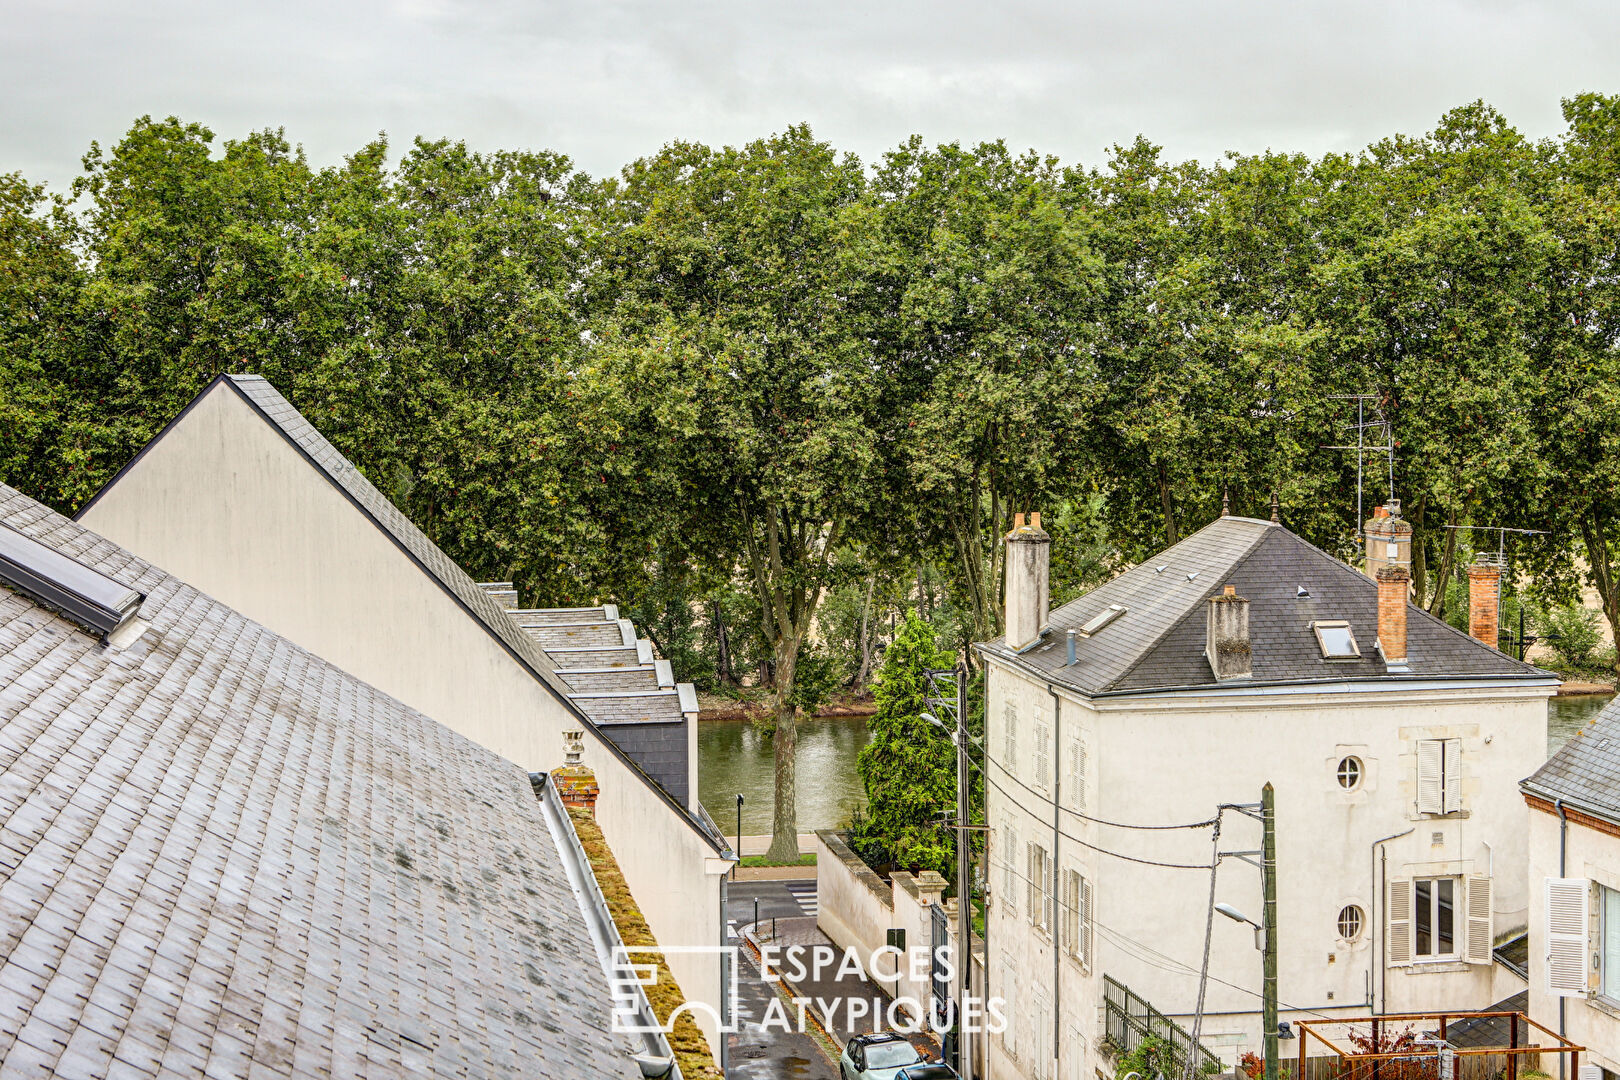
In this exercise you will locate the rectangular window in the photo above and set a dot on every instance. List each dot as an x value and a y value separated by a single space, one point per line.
1336 640
1009 739
1434 917
1077 916
1076 780
1609 952
1043 771
1009 870
1040 899
1439 778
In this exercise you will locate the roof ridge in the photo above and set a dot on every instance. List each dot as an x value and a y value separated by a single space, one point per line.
1143 654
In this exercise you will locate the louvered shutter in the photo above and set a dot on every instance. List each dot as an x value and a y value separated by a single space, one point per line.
1043 766
1085 922
1430 782
1009 742
1590 1072
1077 774
1031 877
1479 920
1398 916
1451 776
1009 871
1567 917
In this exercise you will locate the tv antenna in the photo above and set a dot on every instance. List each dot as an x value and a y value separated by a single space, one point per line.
1501 531
1361 427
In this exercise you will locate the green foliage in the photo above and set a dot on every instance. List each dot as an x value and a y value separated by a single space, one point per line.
1155 1057
908 766
1572 632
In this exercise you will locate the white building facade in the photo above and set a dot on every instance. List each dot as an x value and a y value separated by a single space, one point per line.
1574 811
1243 656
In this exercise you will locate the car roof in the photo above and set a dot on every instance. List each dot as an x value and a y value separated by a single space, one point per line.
876 1037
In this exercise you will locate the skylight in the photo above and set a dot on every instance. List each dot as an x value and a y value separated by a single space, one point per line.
1336 640
89 598
1101 619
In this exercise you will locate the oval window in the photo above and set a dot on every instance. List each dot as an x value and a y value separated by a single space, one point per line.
1351 921
1349 773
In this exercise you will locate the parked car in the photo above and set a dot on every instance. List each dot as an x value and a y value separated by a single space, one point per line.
933 1071
880 1055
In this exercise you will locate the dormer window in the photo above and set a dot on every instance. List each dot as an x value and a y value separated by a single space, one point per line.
1336 640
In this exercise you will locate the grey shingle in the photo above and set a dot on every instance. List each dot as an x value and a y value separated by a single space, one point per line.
1159 642
1586 770
222 856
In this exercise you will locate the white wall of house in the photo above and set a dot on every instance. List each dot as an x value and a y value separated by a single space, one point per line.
224 502
1592 862
1170 759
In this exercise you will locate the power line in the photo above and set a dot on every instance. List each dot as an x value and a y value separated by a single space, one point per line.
1103 850
1084 817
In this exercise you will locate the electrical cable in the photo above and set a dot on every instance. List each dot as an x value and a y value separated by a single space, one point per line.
1085 817
1103 850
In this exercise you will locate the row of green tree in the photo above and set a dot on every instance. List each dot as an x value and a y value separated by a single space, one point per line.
778 372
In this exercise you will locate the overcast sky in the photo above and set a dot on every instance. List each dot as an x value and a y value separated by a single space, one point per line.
605 82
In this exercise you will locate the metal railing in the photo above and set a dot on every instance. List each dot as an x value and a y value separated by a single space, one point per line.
1128 1019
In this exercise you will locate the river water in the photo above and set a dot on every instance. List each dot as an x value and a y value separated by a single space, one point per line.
733 757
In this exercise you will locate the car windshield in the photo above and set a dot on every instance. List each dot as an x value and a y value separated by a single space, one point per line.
891 1055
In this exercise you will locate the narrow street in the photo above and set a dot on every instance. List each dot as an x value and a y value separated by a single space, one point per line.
756 1054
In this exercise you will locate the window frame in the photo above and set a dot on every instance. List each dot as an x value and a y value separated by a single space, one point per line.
1440 794
1360 916
1357 767
1319 625
1039 865
1458 912
1608 942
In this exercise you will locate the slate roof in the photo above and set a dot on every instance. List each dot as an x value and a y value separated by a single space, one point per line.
1159 642
220 854
487 603
1585 772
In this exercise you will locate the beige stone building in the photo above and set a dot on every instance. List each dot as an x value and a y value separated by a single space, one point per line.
1240 656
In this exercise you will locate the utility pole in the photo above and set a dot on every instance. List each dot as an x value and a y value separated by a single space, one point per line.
1268 918
964 892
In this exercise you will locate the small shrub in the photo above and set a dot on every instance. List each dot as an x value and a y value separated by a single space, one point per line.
1572 632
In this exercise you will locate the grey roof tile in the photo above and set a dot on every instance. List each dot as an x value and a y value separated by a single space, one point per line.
223 857
1586 770
1159 642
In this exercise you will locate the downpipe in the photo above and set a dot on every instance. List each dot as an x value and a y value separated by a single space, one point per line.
1563 855
1378 873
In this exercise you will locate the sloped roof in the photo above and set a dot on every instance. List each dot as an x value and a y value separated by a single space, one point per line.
483 602
220 853
1586 770
1159 642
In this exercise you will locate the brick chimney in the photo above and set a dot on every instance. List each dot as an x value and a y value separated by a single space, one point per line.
1389 539
1227 641
1484 590
1393 583
1029 568
574 783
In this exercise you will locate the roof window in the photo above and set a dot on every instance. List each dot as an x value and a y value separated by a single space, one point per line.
88 597
1336 640
1101 619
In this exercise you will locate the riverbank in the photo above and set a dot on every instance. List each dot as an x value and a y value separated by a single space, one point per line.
1575 687
721 707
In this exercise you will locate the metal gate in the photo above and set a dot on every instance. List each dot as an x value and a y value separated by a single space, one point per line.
944 1010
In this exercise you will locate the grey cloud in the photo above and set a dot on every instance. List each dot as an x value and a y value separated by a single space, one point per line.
607 82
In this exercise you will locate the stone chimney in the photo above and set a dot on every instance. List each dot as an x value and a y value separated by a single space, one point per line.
1389 539
574 783
1029 569
1227 643
1393 582
1484 590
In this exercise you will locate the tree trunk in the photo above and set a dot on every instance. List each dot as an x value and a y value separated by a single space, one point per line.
1167 502
1420 561
722 659
1595 532
1448 555
785 817
865 671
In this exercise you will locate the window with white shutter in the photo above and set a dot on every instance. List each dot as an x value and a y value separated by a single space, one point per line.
1009 984
1607 912
1567 928
1009 869
1009 739
1032 894
1431 776
1077 916
1087 916
1075 784
1398 920
1043 756
1451 775
1041 894
1478 914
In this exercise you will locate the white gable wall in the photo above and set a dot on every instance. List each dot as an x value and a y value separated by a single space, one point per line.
223 501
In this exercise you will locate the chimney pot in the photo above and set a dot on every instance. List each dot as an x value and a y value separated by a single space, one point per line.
1227 645
1035 520
1028 582
1484 593
1392 589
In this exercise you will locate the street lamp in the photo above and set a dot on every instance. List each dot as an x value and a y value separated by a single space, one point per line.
739 832
1274 1028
